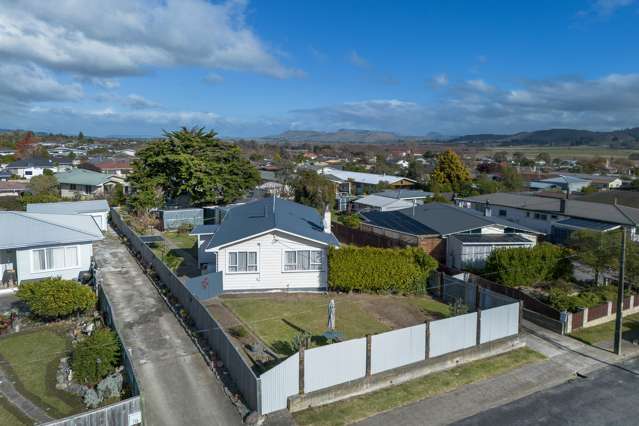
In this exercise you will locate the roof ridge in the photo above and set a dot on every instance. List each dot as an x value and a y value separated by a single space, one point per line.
30 216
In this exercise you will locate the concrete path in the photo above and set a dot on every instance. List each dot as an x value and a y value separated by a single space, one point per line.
566 358
176 385
28 408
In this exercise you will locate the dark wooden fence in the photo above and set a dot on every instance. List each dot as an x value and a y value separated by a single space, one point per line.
358 237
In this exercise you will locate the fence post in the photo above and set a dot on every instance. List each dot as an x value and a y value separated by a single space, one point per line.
632 302
477 294
427 345
584 318
301 371
609 308
478 338
440 277
521 314
368 354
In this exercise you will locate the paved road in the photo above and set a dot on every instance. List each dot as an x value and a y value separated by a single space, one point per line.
176 385
607 397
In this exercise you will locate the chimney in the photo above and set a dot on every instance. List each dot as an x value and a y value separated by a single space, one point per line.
562 205
487 210
327 220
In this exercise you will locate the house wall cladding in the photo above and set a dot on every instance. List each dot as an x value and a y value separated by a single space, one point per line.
331 365
398 348
452 334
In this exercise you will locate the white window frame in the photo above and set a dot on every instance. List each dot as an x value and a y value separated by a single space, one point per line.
319 266
236 252
47 261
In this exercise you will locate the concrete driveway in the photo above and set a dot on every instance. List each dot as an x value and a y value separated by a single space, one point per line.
176 385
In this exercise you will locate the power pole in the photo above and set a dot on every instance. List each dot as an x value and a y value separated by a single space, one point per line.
622 270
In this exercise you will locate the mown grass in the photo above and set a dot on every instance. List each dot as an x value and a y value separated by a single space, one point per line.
184 241
11 416
31 359
605 332
361 407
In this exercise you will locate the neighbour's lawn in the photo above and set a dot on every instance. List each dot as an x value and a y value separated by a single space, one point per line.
31 359
276 319
168 256
605 332
361 407
185 241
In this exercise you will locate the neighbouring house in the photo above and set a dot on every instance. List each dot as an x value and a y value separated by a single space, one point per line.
378 203
460 238
33 167
5 175
563 183
13 188
406 194
601 182
35 245
86 183
204 233
272 244
97 209
544 213
349 184
273 189
117 168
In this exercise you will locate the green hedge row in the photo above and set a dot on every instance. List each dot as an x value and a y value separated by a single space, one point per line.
527 266
371 269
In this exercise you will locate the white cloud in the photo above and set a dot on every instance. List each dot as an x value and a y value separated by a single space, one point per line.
479 85
30 83
213 78
139 102
440 80
357 60
123 37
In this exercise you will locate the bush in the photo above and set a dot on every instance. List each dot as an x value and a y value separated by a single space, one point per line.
350 220
377 269
96 357
185 228
561 299
54 297
528 266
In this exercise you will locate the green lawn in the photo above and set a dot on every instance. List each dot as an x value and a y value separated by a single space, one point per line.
32 359
181 240
276 319
361 407
604 332
172 260
10 416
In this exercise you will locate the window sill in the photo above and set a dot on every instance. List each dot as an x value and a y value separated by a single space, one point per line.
242 272
56 270
302 271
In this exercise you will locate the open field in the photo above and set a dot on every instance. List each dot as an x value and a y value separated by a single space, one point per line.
31 358
563 152
361 407
277 318
605 332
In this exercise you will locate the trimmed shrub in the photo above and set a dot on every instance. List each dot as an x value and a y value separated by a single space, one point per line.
96 357
562 300
527 266
372 269
53 298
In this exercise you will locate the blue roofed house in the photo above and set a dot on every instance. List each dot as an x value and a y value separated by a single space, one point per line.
272 244
97 209
35 246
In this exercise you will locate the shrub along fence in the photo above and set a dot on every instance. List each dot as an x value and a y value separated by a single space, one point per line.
605 312
218 340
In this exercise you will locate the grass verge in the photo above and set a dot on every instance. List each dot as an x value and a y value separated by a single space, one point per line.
361 407
604 332
11 416
32 359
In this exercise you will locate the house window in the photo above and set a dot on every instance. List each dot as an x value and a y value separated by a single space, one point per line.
243 261
502 212
302 260
554 216
544 217
53 258
28 172
72 186
527 214
537 216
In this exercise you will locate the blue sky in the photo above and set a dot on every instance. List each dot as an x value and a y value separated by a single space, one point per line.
135 67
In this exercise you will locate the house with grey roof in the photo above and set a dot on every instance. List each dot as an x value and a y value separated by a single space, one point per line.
544 214
379 203
460 238
87 183
36 245
563 183
97 209
31 167
272 244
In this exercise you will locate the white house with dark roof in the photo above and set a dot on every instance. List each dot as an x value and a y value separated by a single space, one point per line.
272 244
35 246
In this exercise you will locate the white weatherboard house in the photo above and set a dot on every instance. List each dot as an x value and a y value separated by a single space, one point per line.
97 209
272 244
35 246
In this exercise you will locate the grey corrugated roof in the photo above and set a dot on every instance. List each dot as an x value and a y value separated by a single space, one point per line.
204 229
82 177
438 218
622 215
587 224
492 239
23 230
69 207
375 200
404 193
267 214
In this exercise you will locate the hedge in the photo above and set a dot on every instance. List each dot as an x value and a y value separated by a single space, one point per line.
54 297
371 269
527 266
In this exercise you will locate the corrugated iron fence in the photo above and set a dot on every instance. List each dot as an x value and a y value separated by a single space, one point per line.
245 379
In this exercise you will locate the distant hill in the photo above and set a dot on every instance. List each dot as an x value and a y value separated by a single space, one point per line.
342 136
558 137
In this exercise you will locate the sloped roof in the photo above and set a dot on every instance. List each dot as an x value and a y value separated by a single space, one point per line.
204 229
69 207
272 213
383 202
367 178
492 239
398 221
31 162
82 177
23 230
400 194
612 213
442 219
